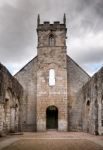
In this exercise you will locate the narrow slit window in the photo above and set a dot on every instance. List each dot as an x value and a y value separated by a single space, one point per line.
51 40
51 77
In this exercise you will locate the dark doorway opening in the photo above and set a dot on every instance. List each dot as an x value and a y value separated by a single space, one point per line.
52 117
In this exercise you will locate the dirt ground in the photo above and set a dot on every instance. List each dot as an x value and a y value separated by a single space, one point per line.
54 141
54 144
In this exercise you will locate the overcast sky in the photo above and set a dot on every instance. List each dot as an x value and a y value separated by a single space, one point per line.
18 38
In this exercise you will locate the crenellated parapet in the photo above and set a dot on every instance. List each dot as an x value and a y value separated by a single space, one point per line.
46 25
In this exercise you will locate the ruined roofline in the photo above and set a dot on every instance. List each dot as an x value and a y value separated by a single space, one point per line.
100 71
3 69
7 81
25 65
68 57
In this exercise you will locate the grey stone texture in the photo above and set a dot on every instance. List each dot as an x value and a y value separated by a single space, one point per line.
10 102
91 99
51 57
27 76
77 77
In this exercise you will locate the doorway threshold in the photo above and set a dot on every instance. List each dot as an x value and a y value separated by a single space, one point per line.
52 129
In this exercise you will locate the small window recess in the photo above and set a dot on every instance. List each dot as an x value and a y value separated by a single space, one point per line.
88 103
51 77
51 40
102 123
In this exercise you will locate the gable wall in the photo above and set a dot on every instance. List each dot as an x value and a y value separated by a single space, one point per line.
28 79
77 77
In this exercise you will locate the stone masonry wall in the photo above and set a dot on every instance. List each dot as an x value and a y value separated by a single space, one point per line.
28 79
92 104
51 57
77 77
10 102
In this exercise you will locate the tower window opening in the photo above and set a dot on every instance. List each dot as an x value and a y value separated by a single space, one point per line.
51 40
51 77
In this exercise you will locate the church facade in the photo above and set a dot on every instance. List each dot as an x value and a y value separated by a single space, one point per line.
51 82
58 93
51 92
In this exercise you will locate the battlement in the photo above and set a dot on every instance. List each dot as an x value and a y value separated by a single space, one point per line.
46 25
55 22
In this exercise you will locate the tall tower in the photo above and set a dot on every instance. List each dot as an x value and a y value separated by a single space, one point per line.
51 76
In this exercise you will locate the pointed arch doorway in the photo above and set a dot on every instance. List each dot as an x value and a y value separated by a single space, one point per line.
52 117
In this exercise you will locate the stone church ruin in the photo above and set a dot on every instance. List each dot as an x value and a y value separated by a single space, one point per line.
52 91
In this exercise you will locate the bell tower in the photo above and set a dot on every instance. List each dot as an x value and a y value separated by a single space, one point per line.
51 76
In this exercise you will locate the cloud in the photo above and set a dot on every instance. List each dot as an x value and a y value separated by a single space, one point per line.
18 39
87 49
